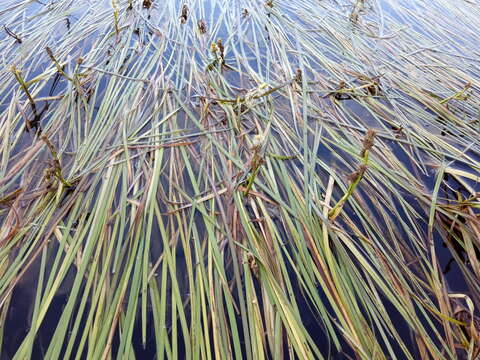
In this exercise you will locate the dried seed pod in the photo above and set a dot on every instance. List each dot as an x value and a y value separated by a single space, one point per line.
147 4
368 141
471 329
221 49
299 76
202 26
372 89
252 263
357 174
184 15
50 53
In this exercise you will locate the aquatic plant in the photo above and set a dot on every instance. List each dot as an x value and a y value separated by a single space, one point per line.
183 188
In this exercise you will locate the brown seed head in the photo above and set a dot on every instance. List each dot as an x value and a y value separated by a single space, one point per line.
221 48
368 141
184 16
50 53
357 173
202 27
299 76
146 4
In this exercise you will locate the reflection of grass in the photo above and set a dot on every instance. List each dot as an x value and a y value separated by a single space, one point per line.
208 147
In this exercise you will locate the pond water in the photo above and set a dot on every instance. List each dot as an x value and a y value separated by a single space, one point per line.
153 117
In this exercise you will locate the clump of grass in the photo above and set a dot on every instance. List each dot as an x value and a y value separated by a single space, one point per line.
209 213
